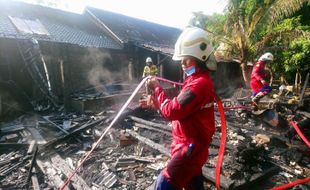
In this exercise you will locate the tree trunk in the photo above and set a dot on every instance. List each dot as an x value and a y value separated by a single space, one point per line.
244 74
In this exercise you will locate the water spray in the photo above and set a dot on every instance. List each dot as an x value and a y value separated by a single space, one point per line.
223 137
105 132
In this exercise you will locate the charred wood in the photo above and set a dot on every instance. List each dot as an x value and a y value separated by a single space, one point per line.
209 174
34 180
152 128
62 165
34 154
54 124
150 143
152 124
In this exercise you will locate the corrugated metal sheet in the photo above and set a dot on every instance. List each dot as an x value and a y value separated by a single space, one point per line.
143 33
63 27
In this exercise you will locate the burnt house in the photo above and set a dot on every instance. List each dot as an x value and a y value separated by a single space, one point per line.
141 39
46 54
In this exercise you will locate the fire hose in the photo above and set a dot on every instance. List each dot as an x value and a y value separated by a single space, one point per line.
300 133
222 144
286 186
223 136
106 130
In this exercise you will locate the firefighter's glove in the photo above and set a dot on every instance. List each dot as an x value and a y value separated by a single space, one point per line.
148 102
151 84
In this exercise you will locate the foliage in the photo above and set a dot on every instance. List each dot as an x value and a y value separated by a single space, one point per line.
252 27
292 53
214 24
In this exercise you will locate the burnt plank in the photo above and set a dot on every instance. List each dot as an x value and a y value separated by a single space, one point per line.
31 147
54 124
152 128
150 143
36 135
34 180
77 181
47 169
255 178
34 154
65 136
208 173
149 123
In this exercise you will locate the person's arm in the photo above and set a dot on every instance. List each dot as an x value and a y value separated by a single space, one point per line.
156 70
185 104
146 71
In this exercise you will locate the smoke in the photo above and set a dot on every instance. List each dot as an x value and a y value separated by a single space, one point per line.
103 69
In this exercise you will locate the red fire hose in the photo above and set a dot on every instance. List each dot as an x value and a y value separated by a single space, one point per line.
223 136
300 133
222 144
286 186
105 131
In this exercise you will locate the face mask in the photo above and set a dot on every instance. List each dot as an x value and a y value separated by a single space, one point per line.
189 70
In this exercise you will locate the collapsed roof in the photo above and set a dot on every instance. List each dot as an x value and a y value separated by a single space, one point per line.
140 32
24 21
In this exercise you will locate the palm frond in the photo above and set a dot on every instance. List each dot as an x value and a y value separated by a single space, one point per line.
284 8
283 35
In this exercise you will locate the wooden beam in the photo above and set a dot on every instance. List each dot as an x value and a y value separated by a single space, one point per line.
77 181
149 123
76 130
34 180
47 169
54 124
207 173
152 128
242 184
150 143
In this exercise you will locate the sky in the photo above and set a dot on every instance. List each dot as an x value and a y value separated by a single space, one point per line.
174 13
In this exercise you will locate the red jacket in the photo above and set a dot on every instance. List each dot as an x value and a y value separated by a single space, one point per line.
258 74
192 115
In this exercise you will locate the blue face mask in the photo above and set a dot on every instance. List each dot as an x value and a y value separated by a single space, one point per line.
189 70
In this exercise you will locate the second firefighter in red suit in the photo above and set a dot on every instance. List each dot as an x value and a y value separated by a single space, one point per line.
259 86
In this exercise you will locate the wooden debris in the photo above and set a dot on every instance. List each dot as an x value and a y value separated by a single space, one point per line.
106 178
152 124
62 165
34 180
152 128
150 143
54 124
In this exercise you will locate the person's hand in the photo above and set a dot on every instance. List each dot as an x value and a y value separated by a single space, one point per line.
148 101
263 82
152 83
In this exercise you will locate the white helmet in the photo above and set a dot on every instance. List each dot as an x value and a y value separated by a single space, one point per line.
266 57
148 60
193 42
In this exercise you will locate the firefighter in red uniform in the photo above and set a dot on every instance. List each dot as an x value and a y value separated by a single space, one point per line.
259 86
191 113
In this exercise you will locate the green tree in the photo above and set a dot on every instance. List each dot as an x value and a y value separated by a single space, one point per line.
247 19
290 43
214 24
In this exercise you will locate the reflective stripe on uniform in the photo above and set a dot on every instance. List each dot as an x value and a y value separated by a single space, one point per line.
208 105
162 105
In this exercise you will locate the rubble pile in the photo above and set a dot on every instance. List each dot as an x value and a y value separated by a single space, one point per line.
134 151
